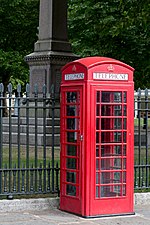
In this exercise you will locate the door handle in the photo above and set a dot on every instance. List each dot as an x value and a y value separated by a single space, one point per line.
81 137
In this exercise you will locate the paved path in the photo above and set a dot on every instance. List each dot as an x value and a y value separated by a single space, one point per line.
55 216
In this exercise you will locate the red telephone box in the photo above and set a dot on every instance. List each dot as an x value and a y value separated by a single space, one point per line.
97 137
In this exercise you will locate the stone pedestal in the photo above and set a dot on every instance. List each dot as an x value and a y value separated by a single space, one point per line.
52 50
45 68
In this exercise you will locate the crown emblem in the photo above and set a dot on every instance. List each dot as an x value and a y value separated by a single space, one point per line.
110 68
74 68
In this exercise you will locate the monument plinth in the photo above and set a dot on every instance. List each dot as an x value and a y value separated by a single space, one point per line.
52 50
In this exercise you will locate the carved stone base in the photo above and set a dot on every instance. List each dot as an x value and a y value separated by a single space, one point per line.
45 68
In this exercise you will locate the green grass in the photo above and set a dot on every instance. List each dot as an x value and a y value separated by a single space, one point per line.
23 157
142 154
49 159
27 177
136 122
31 157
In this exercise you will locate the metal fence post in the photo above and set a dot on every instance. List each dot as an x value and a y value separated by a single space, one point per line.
139 133
1 133
36 137
53 130
146 134
18 130
10 138
27 136
44 136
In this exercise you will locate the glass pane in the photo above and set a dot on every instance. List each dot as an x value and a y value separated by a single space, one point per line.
124 124
110 177
106 97
71 123
111 96
105 137
97 192
124 137
111 110
105 124
117 137
71 190
97 124
106 178
110 124
124 177
124 190
72 110
117 123
118 150
110 191
117 190
97 110
71 97
97 137
117 110
98 96
97 151
71 163
104 150
106 164
111 164
117 177
72 150
124 150
124 163
117 97
125 96
125 110
111 137
71 136
97 164
117 164
111 150
106 110
97 178
71 177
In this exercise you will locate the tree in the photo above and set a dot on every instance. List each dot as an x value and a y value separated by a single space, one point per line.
13 68
117 29
19 22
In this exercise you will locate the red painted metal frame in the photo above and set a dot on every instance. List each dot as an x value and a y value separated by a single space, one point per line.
70 201
86 203
119 204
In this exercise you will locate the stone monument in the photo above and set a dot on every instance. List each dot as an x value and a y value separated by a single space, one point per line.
52 50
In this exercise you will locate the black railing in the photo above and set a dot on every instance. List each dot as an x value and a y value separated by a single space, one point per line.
142 139
30 144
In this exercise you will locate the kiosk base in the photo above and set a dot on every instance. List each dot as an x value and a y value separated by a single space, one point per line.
102 215
109 215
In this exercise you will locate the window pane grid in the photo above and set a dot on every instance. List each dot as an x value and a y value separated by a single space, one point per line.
111 138
72 129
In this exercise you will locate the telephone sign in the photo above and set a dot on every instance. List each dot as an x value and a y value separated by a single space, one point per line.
76 76
97 142
110 76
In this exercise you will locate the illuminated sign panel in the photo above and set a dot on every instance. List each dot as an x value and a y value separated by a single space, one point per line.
75 76
110 76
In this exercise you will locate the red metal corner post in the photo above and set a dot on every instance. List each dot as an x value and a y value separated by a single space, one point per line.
97 142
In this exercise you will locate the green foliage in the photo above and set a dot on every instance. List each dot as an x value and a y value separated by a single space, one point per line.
117 29
19 22
13 68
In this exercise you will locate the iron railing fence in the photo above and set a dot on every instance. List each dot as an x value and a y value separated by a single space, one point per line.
142 140
29 142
